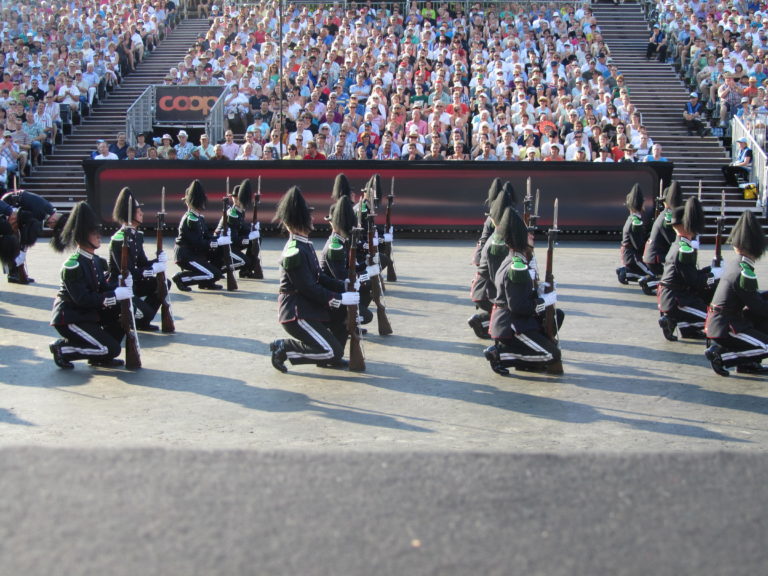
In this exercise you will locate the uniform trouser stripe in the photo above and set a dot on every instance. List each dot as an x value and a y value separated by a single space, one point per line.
318 341
205 274
97 349
543 354
757 348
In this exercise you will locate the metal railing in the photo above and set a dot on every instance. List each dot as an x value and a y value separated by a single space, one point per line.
141 115
758 173
214 122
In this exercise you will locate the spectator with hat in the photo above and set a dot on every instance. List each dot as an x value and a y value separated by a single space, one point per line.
693 115
741 166
165 146
184 148
657 45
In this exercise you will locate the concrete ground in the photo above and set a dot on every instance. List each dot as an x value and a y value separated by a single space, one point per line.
631 410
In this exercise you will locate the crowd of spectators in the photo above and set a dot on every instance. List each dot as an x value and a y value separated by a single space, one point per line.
722 50
56 57
421 80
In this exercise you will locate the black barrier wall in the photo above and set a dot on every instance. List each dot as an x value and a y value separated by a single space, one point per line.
429 197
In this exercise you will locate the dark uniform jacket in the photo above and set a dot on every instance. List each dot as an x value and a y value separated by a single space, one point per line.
633 238
194 239
517 307
493 254
138 263
33 211
488 229
682 281
661 238
737 304
237 226
305 290
85 292
334 259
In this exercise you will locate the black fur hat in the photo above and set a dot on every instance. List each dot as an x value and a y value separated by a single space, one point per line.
343 217
125 199
748 236
75 228
674 195
341 187
690 216
494 190
9 242
244 193
635 199
513 230
293 211
195 196
503 199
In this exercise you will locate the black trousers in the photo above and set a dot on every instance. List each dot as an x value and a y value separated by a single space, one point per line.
197 271
731 174
312 342
89 340
750 345
527 349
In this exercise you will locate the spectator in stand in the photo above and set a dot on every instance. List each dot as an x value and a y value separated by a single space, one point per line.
104 153
165 147
655 155
741 166
141 147
230 148
312 152
184 148
120 147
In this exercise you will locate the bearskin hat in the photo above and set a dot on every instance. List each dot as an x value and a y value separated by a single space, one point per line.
293 211
690 216
9 242
125 199
674 195
75 228
635 199
748 236
513 230
494 190
343 216
195 196
503 199
244 193
341 187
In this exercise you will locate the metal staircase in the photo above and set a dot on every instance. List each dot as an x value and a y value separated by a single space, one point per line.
660 96
60 178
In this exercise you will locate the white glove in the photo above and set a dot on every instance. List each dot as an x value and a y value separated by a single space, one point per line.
162 257
128 281
358 281
158 267
717 272
376 240
245 242
388 237
373 270
350 298
254 234
532 274
224 240
214 244
258 225
541 288
549 299
391 230
364 277
21 258
376 259
122 293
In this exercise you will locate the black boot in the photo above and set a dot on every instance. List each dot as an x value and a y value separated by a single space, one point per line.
476 323
751 368
279 356
716 360
649 290
622 275
492 355
58 357
668 326
179 284
106 362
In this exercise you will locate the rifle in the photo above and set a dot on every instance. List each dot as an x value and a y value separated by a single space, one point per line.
717 261
231 282
376 284
127 320
166 314
356 356
253 251
391 274
550 314
659 207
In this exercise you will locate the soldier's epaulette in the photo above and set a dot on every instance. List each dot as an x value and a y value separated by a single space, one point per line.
336 249
73 262
686 254
291 256
636 220
668 218
518 271
748 278
497 246
233 213
192 217
118 236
